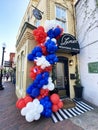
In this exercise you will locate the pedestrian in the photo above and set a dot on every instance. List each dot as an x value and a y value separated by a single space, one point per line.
7 76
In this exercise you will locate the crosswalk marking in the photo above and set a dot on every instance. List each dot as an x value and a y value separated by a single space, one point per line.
62 114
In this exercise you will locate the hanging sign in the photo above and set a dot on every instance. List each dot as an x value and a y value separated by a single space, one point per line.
37 14
68 43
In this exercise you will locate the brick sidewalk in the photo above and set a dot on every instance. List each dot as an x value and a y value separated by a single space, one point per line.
11 119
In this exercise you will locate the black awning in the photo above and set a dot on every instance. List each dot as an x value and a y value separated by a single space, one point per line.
68 43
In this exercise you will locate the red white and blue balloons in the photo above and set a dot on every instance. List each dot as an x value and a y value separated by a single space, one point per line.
38 101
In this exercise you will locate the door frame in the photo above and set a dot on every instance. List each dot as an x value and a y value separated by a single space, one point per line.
64 60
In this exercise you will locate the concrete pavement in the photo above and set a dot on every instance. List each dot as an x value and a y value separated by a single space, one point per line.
11 119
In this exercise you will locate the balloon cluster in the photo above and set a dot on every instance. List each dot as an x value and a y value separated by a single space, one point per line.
38 101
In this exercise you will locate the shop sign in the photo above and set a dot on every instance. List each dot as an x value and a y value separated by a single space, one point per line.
68 43
7 64
93 67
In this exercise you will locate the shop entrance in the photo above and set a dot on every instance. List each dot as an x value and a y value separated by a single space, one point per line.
62 78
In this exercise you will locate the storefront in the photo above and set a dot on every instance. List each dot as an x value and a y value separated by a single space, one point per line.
68 47
64 70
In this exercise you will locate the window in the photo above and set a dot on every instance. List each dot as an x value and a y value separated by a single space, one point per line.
18 71
37 23
61 16
22 69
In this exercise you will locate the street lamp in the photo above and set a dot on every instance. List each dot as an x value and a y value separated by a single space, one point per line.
3 50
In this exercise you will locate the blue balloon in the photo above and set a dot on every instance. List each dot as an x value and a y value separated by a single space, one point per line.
50 33
29 88
35 92
57 31
41 101
53 33
36 49
51 58
39 86
46 98
39 77
38 54
42 82
30 57
48 113
51 46
47 104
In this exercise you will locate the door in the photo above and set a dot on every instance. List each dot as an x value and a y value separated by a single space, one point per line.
62 78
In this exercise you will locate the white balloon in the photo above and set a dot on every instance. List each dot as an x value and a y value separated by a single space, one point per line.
36 102
51 87
32 112
44 86
29 117
24 111
50 80
40 109
29 105
41 61
53 39
37 116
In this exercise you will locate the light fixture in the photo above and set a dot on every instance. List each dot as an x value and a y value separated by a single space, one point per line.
70 62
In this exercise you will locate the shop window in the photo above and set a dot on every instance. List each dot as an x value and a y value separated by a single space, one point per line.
61 16
22 70
18 71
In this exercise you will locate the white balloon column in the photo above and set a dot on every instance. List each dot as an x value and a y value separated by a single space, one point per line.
38 101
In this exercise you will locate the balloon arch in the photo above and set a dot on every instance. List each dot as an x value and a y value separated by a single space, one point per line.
38 101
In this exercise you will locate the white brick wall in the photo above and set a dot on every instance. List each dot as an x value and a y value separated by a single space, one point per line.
87 35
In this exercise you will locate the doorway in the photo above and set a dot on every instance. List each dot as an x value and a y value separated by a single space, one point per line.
62 77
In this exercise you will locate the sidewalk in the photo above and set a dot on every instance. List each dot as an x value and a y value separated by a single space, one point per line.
11 119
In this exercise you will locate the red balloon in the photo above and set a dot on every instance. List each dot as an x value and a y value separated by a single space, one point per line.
41 28
55 108
20 103
48 69
54 98
39 97
28 99
60 104
42 91
34 71
40 35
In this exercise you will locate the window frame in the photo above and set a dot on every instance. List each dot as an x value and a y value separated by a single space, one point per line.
64 21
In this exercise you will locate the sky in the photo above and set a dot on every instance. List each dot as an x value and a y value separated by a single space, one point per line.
11 14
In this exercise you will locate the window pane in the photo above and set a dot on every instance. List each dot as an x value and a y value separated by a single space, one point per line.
60 75
61 17
62 24
57 12
60 13
37 23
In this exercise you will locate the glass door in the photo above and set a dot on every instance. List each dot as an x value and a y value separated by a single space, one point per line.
62 78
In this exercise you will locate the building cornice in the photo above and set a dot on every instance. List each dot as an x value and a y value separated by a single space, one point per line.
23 30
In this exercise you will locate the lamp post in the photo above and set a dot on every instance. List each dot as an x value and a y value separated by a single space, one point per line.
3 50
